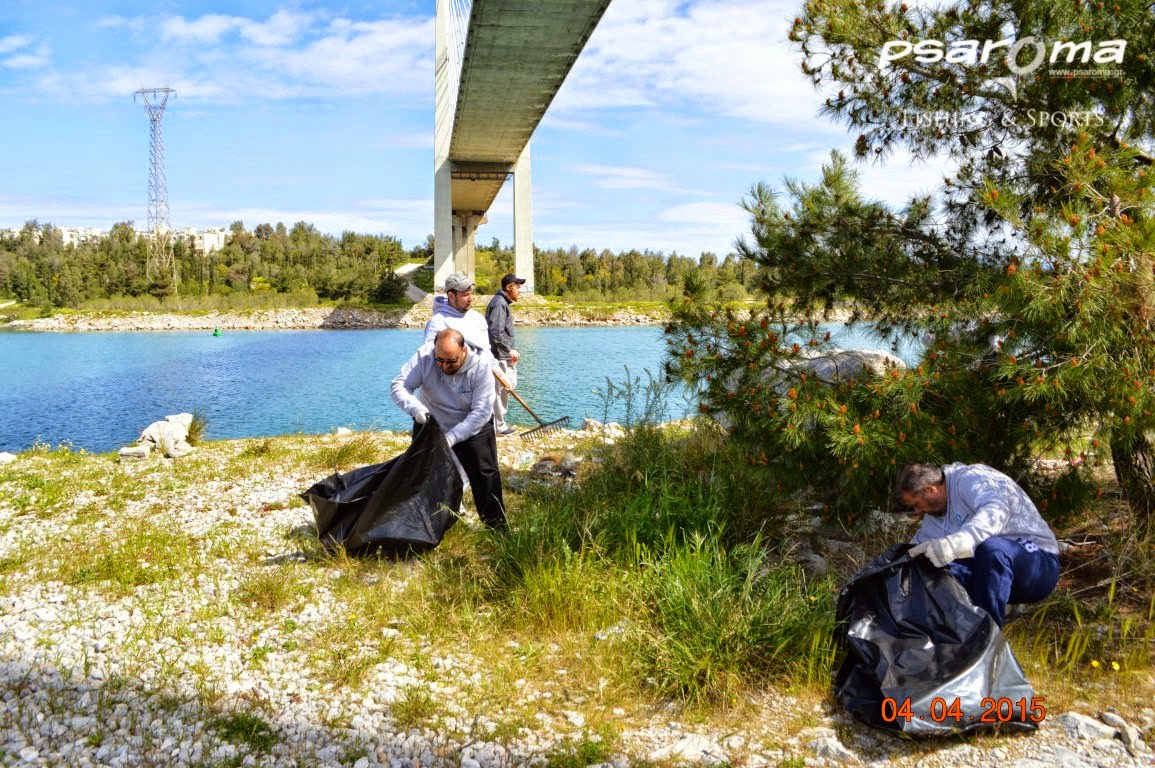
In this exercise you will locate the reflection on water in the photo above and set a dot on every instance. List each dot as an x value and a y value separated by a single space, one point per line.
99 390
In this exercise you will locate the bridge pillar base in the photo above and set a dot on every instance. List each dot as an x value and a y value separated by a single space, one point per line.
465 224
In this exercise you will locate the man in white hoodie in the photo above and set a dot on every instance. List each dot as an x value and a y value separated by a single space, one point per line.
457 388
980 524
453 311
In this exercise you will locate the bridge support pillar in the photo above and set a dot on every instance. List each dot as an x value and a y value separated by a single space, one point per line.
523 221
465 224
444 231
443 226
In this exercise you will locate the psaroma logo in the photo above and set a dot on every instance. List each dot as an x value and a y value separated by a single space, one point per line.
979 52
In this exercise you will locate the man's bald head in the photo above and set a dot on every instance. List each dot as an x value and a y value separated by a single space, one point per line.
449 336
449 350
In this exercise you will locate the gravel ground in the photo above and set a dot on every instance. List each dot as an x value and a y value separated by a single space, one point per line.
163 674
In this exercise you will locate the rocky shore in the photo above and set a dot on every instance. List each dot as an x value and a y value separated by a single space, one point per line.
531 314
186 666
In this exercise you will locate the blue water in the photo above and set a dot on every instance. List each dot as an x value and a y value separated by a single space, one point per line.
97 391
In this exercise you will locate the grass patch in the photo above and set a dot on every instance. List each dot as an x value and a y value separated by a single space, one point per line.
348 648
271 589
415 707
722 619
139 553
247 729
260 449
62 455
348 453
196 429
580 752
37 494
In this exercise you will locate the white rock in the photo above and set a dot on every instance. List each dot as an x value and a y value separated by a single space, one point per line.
691 747
831 748
1085 728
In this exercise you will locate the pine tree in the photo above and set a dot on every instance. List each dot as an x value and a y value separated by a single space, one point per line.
1028 273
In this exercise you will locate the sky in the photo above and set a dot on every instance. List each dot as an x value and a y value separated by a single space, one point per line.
323 112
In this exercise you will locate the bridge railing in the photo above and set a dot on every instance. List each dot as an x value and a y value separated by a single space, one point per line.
456 31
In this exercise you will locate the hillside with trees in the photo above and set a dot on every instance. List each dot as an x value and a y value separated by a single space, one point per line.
300 266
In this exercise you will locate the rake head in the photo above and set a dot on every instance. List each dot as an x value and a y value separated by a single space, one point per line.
549 426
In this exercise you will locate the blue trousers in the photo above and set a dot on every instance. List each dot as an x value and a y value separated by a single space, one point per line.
1006 571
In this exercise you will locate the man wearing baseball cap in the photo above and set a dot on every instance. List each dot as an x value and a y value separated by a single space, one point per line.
453 311
500 322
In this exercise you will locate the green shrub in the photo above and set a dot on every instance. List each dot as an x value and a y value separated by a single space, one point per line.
722 619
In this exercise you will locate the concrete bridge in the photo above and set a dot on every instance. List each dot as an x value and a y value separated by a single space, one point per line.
499 65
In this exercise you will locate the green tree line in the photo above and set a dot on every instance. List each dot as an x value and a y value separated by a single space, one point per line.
301 265
37 268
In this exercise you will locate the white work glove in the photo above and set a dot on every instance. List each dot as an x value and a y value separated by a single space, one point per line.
942 551
421 416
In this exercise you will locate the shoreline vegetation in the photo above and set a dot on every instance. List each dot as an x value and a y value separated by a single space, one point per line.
530 313
181 613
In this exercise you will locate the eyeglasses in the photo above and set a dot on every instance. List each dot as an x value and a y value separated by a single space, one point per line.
443 361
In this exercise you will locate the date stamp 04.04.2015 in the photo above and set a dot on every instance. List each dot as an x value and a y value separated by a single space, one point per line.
993 710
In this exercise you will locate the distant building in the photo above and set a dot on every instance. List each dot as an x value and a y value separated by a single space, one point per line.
77 235
211 239
204 240
14 234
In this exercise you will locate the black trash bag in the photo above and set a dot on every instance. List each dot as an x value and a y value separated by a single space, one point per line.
404 505
921 659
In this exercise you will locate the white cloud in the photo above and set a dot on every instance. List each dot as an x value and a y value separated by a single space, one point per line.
12 43
728 216
17 52
587 127
730 56
36 60
282 28
623 177
66 211
362 58
233 59
135 24
687 240
207 29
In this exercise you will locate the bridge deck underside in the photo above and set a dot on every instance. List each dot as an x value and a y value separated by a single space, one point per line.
517 55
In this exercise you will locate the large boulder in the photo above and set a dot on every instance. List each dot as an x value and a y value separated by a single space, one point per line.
169 437
839 364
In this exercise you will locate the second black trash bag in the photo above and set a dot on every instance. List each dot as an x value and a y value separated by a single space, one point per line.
403 505
921 659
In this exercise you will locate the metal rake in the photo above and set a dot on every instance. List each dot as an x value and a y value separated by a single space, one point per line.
542 427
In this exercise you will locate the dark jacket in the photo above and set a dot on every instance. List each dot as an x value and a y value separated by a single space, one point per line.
500 321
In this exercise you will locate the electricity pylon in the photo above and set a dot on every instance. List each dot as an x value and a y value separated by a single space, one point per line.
161 263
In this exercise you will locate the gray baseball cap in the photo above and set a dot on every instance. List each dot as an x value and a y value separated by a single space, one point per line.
459 281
